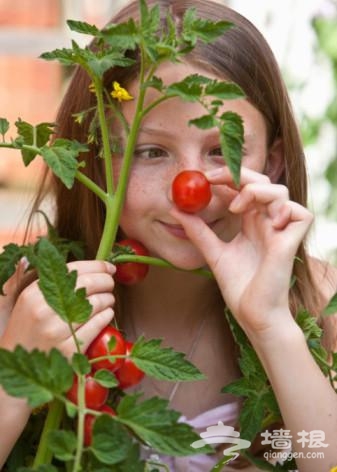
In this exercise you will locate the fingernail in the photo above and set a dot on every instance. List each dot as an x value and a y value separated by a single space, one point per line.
110 267
235 203
24 263
213 172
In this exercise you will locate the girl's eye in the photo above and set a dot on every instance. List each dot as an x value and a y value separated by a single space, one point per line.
150 153
215 152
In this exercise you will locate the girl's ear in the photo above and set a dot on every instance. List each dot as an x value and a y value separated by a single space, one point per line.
275 161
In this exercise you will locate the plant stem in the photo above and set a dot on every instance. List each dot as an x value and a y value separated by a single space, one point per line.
53 420
91 185
219 465
114 202
80 423
156 262
105 135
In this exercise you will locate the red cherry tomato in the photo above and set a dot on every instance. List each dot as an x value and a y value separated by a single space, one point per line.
129 374
191 191
99 347
89 421
129 273
95 394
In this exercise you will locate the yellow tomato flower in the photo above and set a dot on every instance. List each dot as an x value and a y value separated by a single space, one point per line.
92 87
120 93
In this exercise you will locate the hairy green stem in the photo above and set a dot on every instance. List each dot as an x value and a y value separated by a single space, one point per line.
105 135
53 420
114 205
120 258
80 423
91 185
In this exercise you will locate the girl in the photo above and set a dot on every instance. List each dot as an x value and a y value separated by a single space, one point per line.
247 237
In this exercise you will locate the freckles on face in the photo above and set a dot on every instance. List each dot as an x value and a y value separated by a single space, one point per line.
166 145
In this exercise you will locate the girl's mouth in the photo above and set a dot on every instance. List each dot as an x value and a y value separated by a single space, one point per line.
178 231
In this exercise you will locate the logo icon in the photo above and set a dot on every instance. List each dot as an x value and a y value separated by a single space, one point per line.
222 434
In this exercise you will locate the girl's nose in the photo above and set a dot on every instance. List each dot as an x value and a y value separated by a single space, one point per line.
188 161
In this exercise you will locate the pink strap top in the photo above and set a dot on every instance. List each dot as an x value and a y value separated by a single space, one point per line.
227 413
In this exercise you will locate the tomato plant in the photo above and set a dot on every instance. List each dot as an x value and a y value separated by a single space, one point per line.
191 191
109 342
128 374
95 394
129 273
89 421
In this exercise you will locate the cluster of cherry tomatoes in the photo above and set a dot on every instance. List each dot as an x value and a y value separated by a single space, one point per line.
124 369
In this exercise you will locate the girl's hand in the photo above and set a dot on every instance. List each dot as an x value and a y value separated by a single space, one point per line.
254 269
33 324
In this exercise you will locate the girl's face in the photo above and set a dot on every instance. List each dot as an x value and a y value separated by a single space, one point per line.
167 145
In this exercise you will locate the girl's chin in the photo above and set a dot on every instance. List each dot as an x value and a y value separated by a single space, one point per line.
185 263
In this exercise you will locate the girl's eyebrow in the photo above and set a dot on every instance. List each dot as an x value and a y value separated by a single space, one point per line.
150 130
249 137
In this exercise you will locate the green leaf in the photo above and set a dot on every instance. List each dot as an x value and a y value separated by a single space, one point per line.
224 90
62 444
251 416
251 367
36 136
63 245
99 64
331 308
156 83
106 378
65 56
198 28
231 140
308 325
163 363
132 463
4 126
9 257
157 426
58 285
122 36
34 375
82 27
81 364
71 409
61 157
111 441
149 20
204 122
189 89
241 387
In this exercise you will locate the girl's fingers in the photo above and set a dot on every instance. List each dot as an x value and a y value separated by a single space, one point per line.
101 301
95 282
201 235
222 175
273 196
93 266
292 212
88 331
11 286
